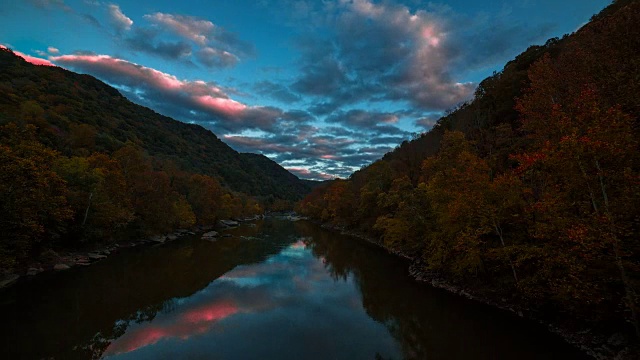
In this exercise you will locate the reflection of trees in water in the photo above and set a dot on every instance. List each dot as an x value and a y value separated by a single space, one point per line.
134 287
427 322
97 304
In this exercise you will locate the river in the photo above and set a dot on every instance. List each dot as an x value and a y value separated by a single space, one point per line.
274 289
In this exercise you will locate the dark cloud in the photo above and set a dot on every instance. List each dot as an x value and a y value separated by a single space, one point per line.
217 47
91 20
276 91
324 75
387 140
46 4
338 131
428 121
382 51
144 39
361 119
216 58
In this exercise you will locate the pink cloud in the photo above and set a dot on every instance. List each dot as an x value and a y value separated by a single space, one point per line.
198 94
226 106
192 322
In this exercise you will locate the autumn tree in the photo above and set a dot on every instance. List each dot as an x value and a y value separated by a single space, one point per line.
33 207
582 170
204 194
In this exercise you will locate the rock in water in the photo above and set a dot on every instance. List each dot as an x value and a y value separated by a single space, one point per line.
34 271
211 235
61 267
9 280
94 256
229 222
158 239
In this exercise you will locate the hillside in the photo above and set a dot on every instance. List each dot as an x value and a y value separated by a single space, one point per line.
529 193
271 170
79 114
80 164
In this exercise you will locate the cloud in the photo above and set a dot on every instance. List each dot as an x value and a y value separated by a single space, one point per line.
383 51
45 4
304 173
217 47
52 50
330 150
197 100
276 91
380 51
143 39
118 18
428 121
211 57
191 28
362 119
91 20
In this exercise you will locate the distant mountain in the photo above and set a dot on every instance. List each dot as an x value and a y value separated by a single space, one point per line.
60 101
282 178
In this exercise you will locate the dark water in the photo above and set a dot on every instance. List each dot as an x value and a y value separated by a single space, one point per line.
279 290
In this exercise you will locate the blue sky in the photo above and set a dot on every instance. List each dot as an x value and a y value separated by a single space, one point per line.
321 87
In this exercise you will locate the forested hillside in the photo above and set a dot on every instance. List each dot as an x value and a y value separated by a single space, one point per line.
80 163
529 192
78 114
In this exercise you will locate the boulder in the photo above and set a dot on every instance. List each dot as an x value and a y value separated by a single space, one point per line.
158 239
9 280
94 256
229 222
34 271
210 235
61 267
172 237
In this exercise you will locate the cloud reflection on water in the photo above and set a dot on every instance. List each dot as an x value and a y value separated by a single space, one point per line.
249 311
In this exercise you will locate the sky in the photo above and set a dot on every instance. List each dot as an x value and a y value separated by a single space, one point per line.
322 87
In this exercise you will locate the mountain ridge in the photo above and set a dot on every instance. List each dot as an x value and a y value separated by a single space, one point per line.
63 100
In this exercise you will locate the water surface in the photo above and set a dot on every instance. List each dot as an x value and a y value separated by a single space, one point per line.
273 290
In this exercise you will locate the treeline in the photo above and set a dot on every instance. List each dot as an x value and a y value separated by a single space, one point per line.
532 190
51 199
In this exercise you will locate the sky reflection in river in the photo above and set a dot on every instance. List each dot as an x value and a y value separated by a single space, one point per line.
288 306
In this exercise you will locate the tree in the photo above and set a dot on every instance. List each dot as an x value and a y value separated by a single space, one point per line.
33 207
581 168
204 194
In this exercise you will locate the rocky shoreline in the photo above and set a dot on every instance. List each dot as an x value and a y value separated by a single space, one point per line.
597 345
51 261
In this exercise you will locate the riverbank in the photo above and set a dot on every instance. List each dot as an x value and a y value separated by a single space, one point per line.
63 259
597 344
